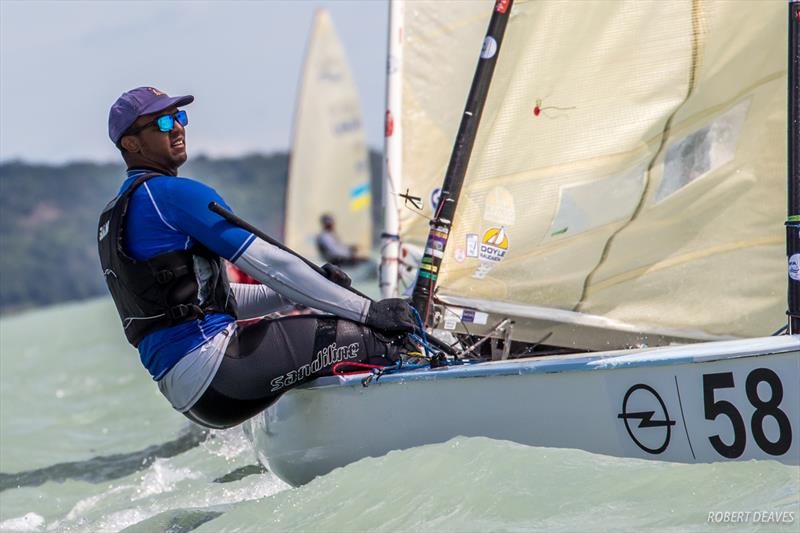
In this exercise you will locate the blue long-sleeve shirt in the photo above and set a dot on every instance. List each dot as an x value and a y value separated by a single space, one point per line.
169 213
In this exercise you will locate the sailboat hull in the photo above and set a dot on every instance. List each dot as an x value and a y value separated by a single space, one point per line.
719 401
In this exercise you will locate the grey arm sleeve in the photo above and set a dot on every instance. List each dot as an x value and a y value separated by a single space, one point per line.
295 280
257 300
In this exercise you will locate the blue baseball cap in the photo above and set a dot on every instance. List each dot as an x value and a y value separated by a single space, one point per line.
137 102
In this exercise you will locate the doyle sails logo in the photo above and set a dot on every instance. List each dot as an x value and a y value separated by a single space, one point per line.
494 245
643 404
326 357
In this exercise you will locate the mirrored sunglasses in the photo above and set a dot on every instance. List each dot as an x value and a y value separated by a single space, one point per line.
164 123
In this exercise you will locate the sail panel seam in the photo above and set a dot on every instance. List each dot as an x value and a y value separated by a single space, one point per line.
665 136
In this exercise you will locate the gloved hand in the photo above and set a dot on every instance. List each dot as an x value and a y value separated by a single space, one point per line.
336 275
392 315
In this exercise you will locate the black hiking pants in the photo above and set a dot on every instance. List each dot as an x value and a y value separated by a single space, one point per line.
266 358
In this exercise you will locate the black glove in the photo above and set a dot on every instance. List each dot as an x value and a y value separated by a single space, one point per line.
392 315
336 275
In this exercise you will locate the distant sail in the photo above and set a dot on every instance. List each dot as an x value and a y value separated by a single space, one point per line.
328 168
632 156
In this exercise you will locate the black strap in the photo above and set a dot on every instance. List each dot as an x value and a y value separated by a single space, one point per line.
182 311
165 276
138 181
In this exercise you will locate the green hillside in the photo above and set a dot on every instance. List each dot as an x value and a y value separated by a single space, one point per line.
48 218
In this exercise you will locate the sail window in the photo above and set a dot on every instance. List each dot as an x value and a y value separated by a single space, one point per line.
589 205
703 151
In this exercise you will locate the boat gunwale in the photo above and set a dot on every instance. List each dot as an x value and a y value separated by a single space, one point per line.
613 360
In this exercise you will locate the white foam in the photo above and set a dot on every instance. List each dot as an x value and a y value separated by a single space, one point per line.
162 477
29 522
228 444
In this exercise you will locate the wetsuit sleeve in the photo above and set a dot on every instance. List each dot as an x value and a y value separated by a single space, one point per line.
188 210
293 278
258 300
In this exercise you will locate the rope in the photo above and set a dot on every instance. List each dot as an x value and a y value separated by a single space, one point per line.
377 374
427 356
424 337
337 368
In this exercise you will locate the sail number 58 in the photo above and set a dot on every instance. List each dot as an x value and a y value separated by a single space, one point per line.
764 409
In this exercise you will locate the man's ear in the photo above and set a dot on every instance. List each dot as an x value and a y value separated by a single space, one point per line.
131 144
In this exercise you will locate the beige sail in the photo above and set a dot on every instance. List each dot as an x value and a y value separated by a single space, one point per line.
442 40
328 169
631 164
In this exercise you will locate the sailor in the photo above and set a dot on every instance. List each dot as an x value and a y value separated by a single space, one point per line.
332 249
161 252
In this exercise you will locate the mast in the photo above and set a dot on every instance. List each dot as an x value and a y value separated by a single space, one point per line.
459 160
793 220
393 152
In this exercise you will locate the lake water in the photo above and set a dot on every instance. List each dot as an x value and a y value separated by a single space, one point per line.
88 444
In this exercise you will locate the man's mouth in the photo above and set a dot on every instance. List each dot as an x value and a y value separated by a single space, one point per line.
178 143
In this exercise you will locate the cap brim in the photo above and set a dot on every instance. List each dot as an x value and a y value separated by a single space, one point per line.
164 103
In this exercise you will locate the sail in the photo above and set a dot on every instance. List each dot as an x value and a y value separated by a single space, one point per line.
631 164
442 40
328 168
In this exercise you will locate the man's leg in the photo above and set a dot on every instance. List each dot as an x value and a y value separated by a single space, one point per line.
269 357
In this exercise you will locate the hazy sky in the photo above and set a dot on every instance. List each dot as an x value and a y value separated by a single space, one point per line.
63 63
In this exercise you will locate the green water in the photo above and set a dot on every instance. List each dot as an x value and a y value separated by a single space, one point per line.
88 444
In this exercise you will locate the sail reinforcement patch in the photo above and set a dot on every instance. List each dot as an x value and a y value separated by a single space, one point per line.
702 151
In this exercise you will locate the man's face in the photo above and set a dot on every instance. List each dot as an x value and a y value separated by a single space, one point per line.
164 149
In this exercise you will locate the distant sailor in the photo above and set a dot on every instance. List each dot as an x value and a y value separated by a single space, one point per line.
332 249
161 251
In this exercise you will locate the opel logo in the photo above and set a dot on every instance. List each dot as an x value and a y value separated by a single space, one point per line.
643 404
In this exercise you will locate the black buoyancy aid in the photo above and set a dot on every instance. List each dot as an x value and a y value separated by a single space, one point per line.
162 291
